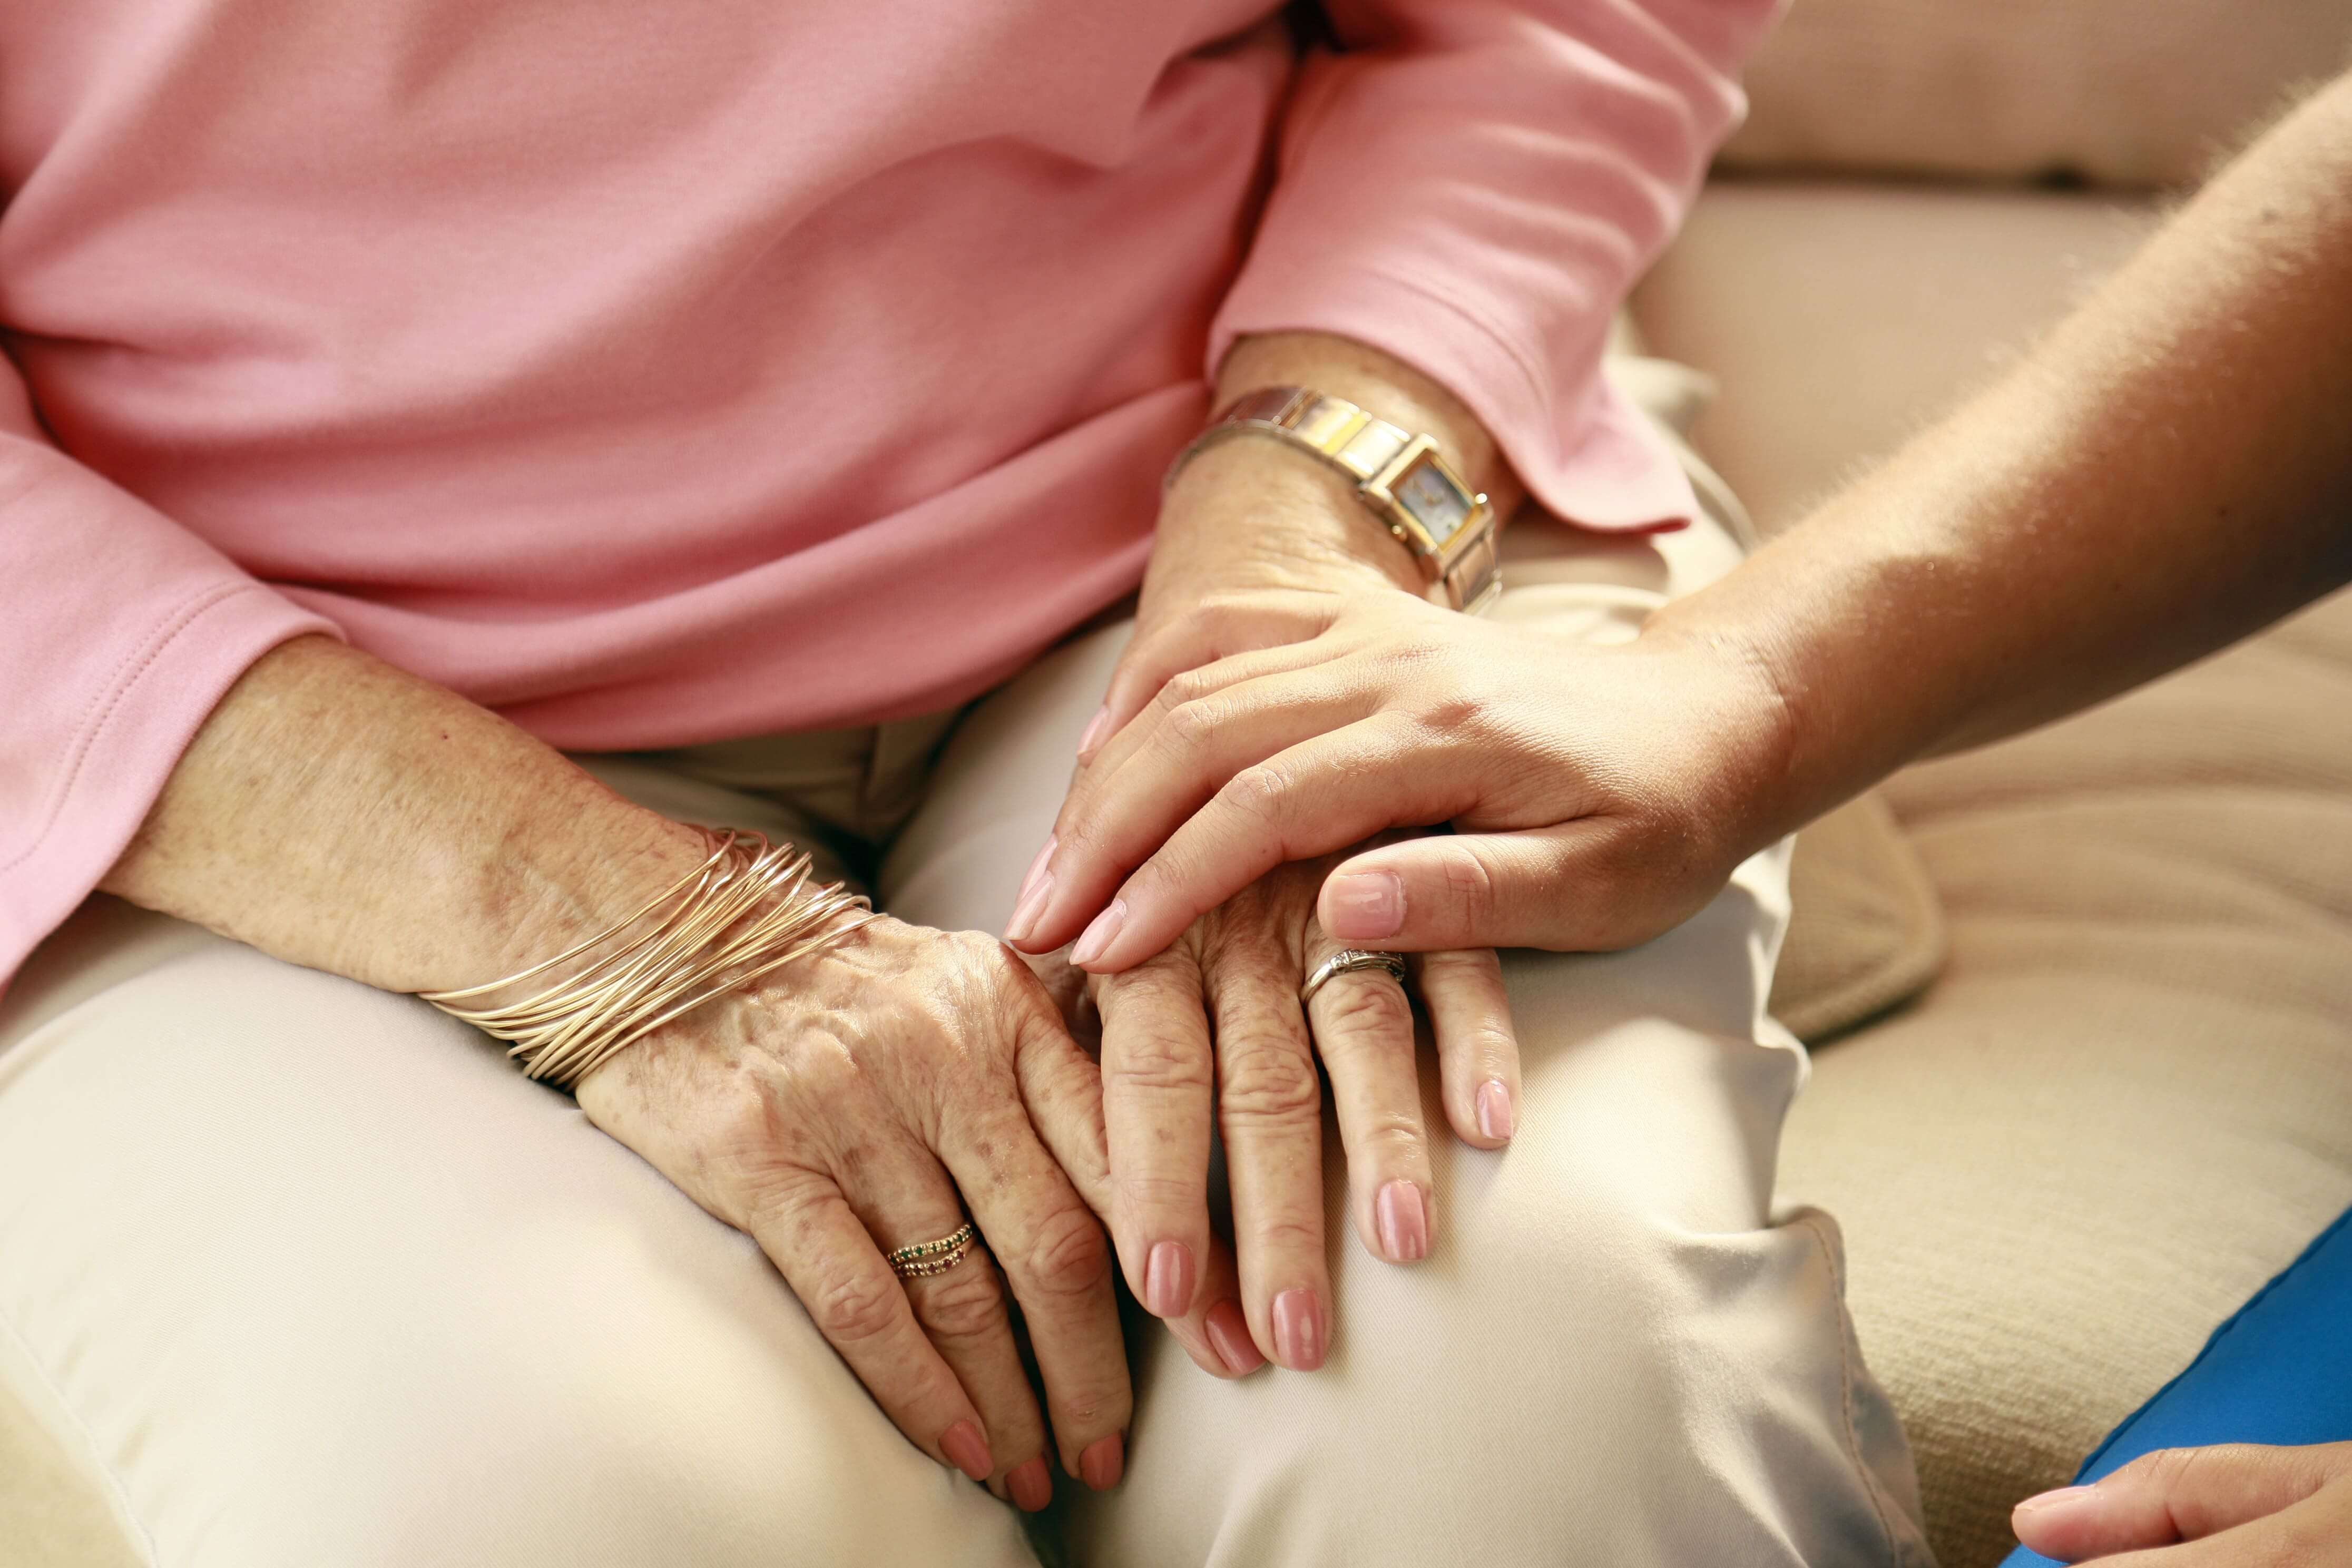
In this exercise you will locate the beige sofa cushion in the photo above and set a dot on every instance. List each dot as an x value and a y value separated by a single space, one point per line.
1837 318
2135 92
2127 1102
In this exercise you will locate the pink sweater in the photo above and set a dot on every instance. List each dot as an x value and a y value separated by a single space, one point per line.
652 374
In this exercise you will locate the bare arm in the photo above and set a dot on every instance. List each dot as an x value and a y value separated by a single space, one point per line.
341 814
2171 470
338 812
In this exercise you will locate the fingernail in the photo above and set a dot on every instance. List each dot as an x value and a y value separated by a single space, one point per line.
1494 1110
1100 934
1168 1280
1228 1334
1036 869
1032 1488
1033 904
1298 1331
1093 730
1404 1221
1366 906
1104 1461
968 1450
2063 1500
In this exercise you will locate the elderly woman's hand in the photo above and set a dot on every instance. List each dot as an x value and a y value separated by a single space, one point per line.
856 1102
1599 794
1216 1016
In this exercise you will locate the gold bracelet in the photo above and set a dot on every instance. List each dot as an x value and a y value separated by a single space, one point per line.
746 909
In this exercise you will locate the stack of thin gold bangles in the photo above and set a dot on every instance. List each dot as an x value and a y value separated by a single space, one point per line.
746 909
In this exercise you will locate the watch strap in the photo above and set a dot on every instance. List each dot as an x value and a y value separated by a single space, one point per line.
1367 449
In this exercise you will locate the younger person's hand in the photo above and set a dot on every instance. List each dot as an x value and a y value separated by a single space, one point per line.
1599 794
2236 1505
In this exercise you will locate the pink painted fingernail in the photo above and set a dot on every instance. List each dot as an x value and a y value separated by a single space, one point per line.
968 1449
1168 1280
1104 1461
1036 868
1028 902
1366 906
1094 728
1228 1334
1494 1110
1100 934
1031 1487
1403 1220
1033 904
1298 1331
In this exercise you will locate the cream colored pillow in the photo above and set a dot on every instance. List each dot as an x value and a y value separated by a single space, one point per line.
1867 933
2122 92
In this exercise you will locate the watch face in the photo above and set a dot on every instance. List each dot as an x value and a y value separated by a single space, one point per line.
1435 501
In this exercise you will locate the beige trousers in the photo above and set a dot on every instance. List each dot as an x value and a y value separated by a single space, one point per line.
296 1274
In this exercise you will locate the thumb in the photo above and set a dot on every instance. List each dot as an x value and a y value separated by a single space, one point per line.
1538 888
2174 1495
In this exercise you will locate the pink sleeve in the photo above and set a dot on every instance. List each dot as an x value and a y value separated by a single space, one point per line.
1473 186
118 631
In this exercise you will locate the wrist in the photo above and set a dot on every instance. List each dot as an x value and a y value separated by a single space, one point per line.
1254 514
1383 387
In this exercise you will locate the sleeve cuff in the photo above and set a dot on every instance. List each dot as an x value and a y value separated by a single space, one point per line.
1586 455
77 814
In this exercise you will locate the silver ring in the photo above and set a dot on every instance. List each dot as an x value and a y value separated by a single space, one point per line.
1347 961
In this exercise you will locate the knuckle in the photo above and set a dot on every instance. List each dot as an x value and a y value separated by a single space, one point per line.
1365 1013
1289 1234
1148 1192
1265 1083
1157 1059
1394 1135
853 1308
1184 687
1257 792
1068 1258
963 1306
1188 724
1461 965
1467 880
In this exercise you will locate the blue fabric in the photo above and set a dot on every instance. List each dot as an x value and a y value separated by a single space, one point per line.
2280 1371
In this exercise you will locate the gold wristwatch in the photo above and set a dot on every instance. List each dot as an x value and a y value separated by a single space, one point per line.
1400 476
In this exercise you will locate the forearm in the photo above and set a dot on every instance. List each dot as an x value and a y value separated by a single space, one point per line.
2171 470
340 813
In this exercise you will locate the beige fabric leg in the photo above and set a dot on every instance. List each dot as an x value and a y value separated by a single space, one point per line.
1617 1354
301 1274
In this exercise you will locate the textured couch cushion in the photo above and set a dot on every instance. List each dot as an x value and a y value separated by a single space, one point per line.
1838 318
2116 92
2128 1099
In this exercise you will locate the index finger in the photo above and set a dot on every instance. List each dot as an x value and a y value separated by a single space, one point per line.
1164 768
1207 635
1324 794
